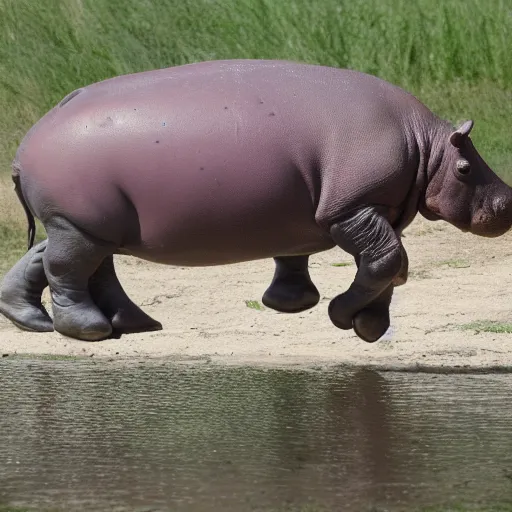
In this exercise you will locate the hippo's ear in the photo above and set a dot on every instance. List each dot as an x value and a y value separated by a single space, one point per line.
458 137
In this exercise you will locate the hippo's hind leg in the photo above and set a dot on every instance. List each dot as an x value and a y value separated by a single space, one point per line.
21 290
70 260
291 289
108 294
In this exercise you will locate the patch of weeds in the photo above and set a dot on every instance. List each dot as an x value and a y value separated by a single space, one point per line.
342 264
488 326
455 263
254 304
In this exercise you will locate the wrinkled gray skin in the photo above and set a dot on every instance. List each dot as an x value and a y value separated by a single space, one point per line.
222 162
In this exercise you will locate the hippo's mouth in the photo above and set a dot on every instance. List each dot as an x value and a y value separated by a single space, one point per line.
491 229
490 224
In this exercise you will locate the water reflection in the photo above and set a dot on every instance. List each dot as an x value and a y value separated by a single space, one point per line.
83 436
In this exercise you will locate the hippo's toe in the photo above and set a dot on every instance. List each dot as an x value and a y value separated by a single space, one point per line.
134 320
82 321
26 316
371 324
339 312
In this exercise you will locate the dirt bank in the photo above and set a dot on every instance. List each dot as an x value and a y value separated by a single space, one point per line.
455 279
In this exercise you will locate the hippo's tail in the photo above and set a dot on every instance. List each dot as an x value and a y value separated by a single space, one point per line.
16 169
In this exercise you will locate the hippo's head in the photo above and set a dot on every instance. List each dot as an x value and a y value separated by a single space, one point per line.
463 190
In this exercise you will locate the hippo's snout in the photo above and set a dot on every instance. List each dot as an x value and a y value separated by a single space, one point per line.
495 217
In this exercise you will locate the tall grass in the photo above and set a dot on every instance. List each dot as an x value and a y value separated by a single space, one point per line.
456 49
455 55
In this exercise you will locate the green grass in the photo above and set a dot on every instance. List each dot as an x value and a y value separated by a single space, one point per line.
254 304
13 244
454 56
488 326
457 56
457 263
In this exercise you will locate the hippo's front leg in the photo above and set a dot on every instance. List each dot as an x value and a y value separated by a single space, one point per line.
373 320
369 237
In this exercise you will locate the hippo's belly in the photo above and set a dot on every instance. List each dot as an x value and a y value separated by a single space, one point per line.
224 209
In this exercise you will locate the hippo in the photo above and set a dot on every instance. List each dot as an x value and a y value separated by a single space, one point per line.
221 162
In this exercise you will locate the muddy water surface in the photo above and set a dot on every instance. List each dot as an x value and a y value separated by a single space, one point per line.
93 436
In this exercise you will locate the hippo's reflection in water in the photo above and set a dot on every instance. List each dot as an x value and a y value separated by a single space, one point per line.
85 436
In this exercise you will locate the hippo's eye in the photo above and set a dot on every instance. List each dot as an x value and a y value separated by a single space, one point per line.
463 167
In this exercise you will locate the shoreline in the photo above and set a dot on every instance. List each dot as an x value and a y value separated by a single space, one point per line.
453 315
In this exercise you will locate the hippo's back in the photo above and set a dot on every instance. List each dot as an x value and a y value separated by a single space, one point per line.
203 159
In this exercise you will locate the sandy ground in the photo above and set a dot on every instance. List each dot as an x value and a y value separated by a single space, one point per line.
455 279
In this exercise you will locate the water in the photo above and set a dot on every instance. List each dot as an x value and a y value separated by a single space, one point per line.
80 435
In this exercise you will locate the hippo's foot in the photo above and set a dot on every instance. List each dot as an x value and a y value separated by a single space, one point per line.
291 295
291 290
70 259
108 294
371 323
21 290
83 321
26 316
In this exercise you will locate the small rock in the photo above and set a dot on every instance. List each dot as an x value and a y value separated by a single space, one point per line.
5 355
